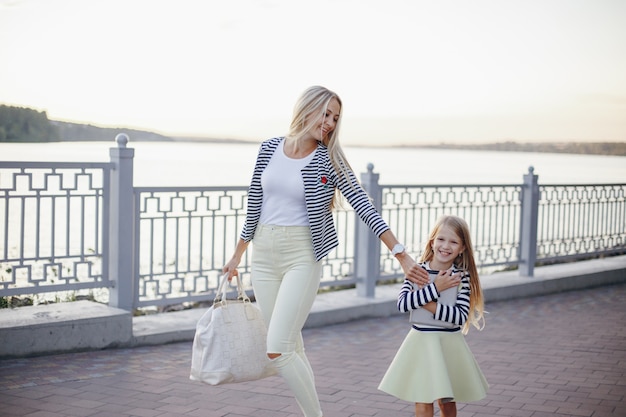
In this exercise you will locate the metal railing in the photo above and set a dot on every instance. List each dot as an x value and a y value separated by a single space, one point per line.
54 219
75 227
576 221
184 235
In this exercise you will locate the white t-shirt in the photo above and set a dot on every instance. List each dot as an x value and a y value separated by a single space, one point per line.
283 190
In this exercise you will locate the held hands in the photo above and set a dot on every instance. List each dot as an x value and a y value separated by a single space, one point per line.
412 270
446 279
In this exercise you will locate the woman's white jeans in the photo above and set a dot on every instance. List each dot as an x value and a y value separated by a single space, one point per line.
285 278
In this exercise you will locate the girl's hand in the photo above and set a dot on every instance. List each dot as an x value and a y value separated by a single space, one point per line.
446 279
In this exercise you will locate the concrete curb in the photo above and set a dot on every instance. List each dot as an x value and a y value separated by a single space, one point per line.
62 327
341 306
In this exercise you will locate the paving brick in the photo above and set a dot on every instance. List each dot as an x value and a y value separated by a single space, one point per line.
554 355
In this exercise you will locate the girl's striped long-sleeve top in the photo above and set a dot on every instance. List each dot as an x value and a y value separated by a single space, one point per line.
320 180
448 315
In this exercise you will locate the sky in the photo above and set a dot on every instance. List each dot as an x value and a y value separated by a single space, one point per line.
407 71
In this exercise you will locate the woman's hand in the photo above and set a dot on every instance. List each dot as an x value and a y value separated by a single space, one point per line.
412 270
231 268
446 279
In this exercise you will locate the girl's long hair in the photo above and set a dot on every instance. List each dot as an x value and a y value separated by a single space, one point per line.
465 262
313 103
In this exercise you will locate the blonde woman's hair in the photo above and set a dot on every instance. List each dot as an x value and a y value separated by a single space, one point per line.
313 102
465 262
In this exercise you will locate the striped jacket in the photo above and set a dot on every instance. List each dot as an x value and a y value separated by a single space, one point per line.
320 181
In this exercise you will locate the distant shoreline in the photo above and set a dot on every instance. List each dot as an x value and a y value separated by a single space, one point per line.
72 132
586 148
23 125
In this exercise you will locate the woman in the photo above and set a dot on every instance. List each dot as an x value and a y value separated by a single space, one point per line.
289 218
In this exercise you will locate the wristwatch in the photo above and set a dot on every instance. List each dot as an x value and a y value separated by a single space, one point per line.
398 248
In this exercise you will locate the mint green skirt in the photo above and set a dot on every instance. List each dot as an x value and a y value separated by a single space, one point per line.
434 365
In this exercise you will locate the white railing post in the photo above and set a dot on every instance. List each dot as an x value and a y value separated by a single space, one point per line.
528 223
367 245
121 226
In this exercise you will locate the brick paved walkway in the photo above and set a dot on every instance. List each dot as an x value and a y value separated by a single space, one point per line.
557 355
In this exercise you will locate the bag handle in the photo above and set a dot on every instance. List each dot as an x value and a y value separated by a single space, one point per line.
220 295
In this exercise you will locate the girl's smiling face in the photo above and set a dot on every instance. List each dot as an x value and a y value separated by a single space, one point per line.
446 246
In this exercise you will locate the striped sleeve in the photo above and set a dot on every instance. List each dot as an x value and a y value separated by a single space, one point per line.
411 299
320 180
361 203
457 313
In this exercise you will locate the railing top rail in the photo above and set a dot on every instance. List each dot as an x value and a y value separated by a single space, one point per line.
585 185
191 188
245 187
50 164
617 184
445 185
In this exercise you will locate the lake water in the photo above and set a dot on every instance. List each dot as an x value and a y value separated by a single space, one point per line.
215 164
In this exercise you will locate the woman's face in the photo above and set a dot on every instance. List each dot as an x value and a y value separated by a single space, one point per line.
325 125
446 245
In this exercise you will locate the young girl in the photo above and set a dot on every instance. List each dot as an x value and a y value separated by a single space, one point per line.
434 362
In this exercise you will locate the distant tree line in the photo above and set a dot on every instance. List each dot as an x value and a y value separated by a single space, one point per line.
19 124
83 132
588 148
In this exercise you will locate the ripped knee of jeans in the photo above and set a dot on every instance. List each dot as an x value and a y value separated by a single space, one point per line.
280 359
